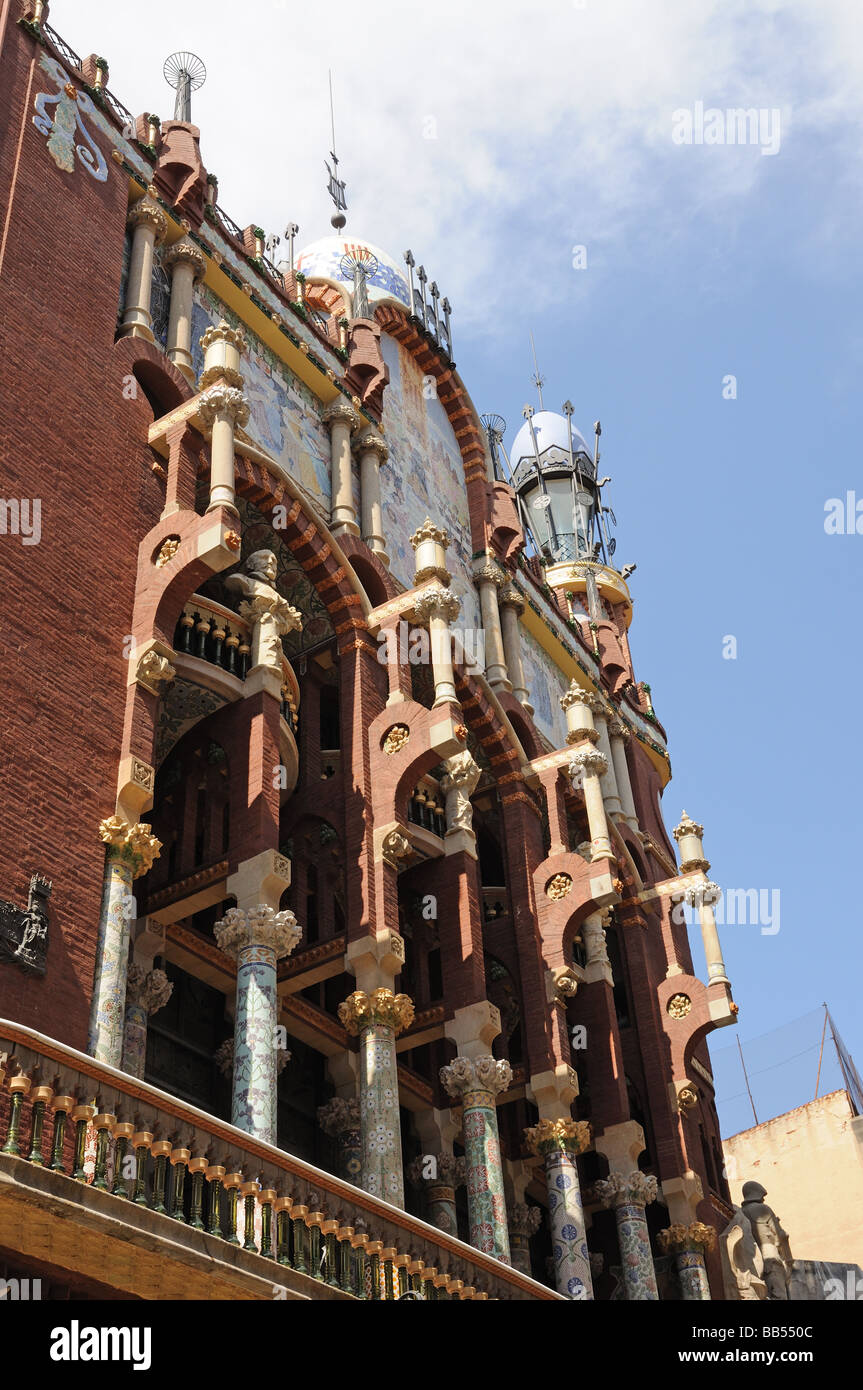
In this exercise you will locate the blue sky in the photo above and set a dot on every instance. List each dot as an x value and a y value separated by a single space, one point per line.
495 138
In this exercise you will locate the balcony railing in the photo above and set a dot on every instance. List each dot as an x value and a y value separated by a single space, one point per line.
426 807
156 1151
209 631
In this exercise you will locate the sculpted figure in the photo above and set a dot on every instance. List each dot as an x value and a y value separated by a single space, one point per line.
772 1241
271 615
462 775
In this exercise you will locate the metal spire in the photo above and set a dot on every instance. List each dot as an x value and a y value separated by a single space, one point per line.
538 378
336 186
185 72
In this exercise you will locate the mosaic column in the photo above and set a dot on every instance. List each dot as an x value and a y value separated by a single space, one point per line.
629 1195
524 1222
378 1018
476 1081
130 852
340 1119
558 1143
147 991
258 938
438 1175
688 1245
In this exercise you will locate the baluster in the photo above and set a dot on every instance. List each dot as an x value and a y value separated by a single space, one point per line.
428 1274
415 1275
282 1207
454 1288
313 1222
243 653
232 642
329 1230
61 1105
123 1133
373 1251
104 1124
232 1184
180 1158
40 1098
400 1274
19 1086
299 1212
440 1283
197 1168
82 1115
359 1246
344 1236
202 628
141 1142
218 639
215 1175
267 1197
468 1293
388 1257
161 1152
187 622
249 1191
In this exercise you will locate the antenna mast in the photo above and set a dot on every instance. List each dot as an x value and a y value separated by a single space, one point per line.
538 378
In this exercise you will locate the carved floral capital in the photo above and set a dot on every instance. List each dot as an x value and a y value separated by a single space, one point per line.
147 989
626 1189
131 844
242 929
361 1010
437 602
466 1074
677 1239
571 1136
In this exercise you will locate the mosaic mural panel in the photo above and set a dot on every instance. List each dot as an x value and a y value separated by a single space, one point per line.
546 683
424 476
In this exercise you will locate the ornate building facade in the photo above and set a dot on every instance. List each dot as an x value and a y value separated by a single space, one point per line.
340 944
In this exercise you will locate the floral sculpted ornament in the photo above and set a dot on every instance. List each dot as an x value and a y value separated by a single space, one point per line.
134 843
361 1010
572 1135
476 1074
558 887
241 930
679 1005
396 738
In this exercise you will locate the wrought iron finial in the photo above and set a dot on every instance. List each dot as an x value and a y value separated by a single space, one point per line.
336 186
185 72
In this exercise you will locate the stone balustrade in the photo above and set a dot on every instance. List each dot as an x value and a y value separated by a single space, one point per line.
62 1111
216 634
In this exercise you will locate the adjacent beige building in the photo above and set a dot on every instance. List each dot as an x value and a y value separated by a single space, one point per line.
810 1160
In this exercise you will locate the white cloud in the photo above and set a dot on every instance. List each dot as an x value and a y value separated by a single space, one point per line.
553 121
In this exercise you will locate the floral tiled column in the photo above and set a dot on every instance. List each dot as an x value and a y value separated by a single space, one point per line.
378 1018
629 1196
559 1142
688 1245
130 852
439 1175
258 938
476 1081
147 991
524 1222
340 1119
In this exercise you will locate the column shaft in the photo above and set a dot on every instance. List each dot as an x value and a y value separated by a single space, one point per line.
476 1081
495 666
624 783
511 632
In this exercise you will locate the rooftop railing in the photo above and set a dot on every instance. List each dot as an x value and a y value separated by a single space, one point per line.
154 1150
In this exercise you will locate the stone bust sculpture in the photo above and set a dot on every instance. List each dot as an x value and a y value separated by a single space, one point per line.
771 1240
270 615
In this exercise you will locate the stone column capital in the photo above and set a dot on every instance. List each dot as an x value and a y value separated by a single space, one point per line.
370 443
488 572
617 729
589 761
510 596
222 332
677 1239
570 1136
223 401
147 989
185 252
430 532
437 602
130 844
382 1006
687 826
341 412
146 213
619 1189
579 695
243 929
703 894
339 1116
448 1170
524 1220
466 1074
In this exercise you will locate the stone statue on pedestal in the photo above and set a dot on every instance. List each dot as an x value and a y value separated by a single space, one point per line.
772 1241
271 615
